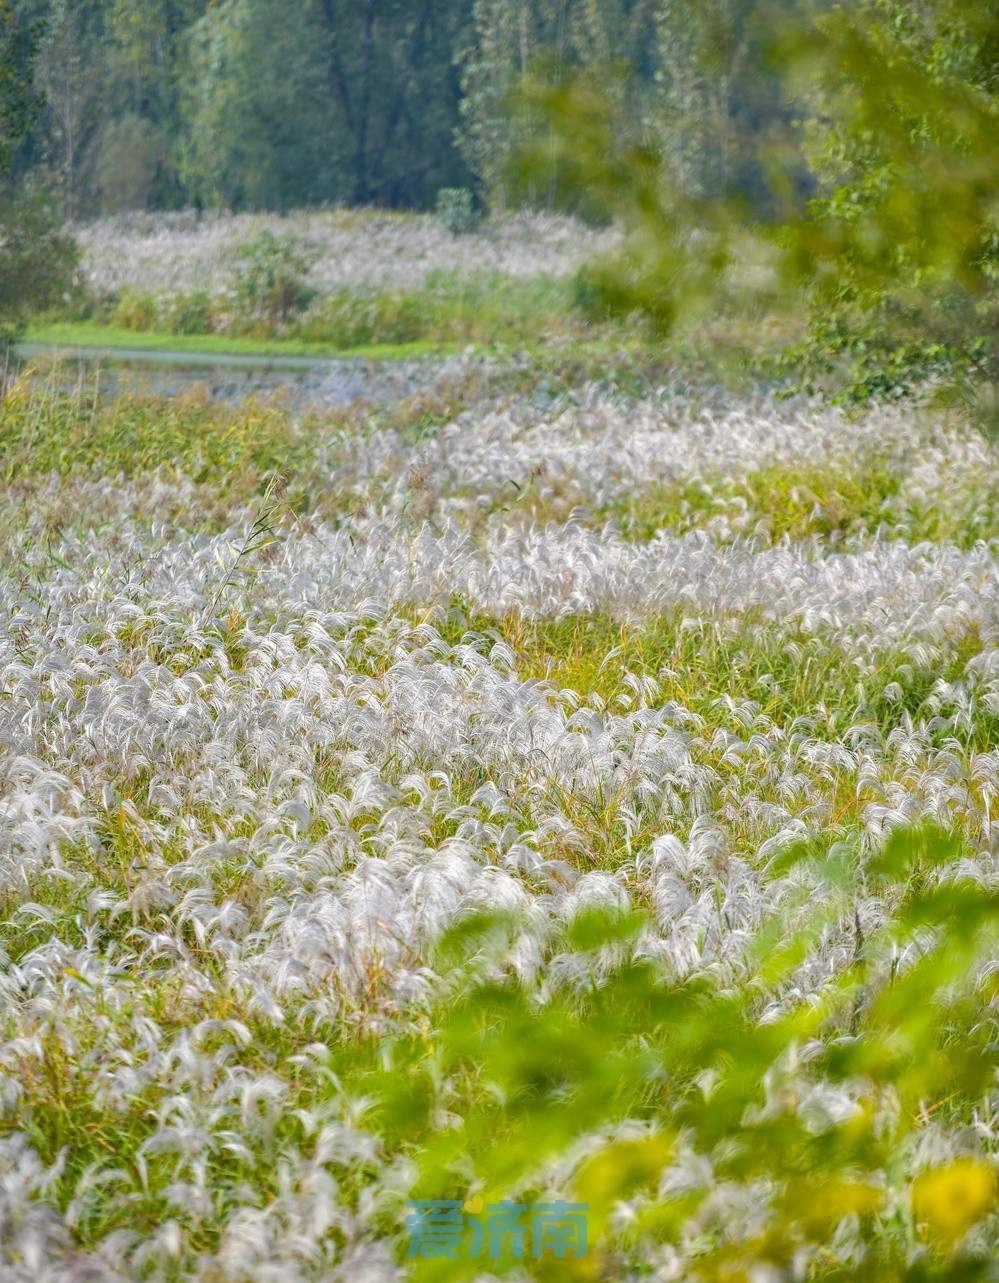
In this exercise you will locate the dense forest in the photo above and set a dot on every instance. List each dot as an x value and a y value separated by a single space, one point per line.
258 104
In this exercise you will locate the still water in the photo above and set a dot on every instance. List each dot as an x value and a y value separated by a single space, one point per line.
329 381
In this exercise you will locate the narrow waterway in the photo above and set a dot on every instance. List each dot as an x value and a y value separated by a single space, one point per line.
328 381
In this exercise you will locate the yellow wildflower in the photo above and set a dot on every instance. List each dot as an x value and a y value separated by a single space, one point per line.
951 1198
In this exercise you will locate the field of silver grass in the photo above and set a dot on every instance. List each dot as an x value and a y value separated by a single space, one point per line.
562 654
356 248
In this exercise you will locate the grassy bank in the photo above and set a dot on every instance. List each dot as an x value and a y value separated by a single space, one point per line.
446 310
93 334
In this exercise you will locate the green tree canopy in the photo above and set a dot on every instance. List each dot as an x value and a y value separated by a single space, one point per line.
353 103
20 34
37 260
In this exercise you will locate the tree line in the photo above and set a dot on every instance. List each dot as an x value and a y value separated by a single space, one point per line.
261 104
836 160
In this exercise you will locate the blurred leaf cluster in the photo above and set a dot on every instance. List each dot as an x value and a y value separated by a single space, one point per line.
660 1101
883 255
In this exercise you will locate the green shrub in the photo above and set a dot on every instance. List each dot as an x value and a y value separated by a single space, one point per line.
134 311
457 211
187 313
588 295
38 262
864 347
168 313
270 281
347 319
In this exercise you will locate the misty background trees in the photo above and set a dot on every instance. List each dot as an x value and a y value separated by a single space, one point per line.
37 259
261 104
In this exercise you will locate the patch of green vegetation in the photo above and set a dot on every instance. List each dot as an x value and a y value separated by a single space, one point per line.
784 501
26 924
234 452
703 665
54 431
827 502
488 309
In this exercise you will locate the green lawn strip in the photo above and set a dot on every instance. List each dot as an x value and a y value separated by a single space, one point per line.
86 334
607 349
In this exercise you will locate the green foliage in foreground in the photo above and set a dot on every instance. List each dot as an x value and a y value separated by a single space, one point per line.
722 1075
